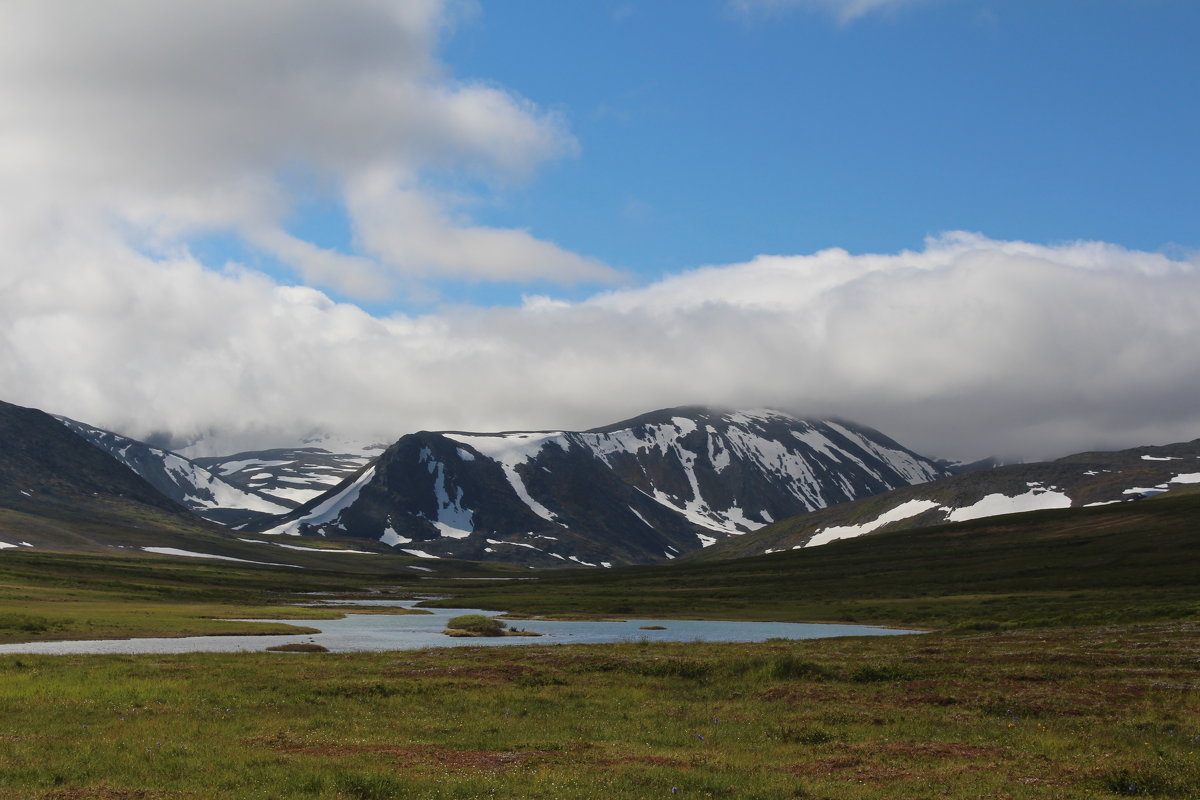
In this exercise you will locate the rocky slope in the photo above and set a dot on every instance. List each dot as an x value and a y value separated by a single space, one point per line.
188 483
57 490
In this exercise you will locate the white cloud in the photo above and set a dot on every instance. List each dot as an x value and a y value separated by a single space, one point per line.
406 226
173 118
844 10
965 348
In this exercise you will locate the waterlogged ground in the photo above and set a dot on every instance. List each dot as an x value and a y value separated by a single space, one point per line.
1043 713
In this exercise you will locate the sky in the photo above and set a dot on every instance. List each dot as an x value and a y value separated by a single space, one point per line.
971 224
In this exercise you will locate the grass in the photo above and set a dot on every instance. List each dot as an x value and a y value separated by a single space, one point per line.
54 596
1066 713
1066 664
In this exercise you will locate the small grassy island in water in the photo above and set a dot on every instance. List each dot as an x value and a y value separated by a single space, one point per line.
480 625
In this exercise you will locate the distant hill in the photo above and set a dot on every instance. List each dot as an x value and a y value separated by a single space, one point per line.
1084 479
647 489
291 476
57 489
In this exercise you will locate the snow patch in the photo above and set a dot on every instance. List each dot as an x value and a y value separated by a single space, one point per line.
514 544
322 549
391 538
230 467
902 511
417 553
174 551
684 425
1162 487
995 504
453 520
639 516
1162 458
1190 477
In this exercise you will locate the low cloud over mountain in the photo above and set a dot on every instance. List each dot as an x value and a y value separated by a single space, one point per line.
969 347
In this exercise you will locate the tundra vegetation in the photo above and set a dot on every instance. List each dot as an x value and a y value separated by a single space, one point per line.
1064 662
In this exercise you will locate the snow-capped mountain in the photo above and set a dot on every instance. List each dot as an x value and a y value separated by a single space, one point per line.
294 475
639 491
186 482
1085 479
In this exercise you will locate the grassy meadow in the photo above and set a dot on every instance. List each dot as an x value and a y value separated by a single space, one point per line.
1063 662
1062 713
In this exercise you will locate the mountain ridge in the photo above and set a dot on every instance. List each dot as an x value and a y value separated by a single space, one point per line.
642 490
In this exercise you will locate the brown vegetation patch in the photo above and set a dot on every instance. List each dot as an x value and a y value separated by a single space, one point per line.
108 793
405 756
657 761
299 647
800 696
852 767
928 700
936 750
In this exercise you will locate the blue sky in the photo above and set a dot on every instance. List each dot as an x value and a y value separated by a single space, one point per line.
232 222
708 136
708 133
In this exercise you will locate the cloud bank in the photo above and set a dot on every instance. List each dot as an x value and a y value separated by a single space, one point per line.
178 119
965 348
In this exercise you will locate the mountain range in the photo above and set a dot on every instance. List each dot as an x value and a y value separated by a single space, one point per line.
643 490
684 482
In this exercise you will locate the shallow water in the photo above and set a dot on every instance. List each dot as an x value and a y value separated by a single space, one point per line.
376 632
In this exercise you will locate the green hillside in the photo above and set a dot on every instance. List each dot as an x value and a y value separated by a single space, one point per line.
1123 563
